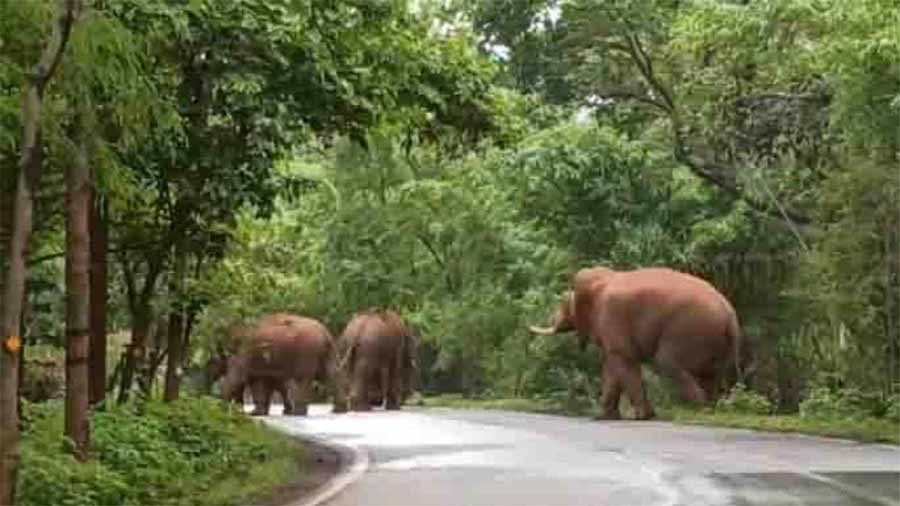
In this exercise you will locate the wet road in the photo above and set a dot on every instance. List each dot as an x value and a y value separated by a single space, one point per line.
455 457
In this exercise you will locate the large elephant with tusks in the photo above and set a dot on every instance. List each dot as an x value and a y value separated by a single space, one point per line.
680 323
380 359
288 349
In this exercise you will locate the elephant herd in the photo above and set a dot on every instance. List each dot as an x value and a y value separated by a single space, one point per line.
676 322
374 359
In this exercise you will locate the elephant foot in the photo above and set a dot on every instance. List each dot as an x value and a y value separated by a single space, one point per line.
298 411
392 407
646 415
609 415
259 412
338 409
362 407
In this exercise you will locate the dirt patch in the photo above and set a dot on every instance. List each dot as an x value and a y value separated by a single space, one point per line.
315 467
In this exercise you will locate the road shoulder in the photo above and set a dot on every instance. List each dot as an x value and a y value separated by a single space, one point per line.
330 467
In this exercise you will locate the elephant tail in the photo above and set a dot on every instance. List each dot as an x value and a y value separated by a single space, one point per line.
346 353
737 343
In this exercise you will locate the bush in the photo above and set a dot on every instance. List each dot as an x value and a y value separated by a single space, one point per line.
45 373
145 453
828 403
893 408
743 400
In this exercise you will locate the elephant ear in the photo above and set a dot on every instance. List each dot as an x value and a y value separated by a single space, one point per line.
587 287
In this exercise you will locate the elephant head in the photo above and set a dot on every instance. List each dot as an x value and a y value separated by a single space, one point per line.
563 320
215 368
587 286
235 378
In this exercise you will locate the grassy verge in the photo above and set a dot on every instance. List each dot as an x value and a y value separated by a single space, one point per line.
861 429
191 452
870 430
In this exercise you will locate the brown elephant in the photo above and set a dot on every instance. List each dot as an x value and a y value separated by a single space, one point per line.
217 367
282 348
381 359
678 322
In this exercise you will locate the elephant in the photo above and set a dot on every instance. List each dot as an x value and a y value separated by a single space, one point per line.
282 348
217 367
678 322
381 359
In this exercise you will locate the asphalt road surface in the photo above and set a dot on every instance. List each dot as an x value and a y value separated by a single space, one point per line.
420 457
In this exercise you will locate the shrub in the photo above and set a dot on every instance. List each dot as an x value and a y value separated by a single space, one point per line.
743 400
44 373
893 408
144 453
823 402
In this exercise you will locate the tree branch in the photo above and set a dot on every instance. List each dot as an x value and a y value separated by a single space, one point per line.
714 174
710 172
645 66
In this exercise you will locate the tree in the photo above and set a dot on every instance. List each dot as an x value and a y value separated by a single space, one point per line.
99 292
14 282
633 53
78 295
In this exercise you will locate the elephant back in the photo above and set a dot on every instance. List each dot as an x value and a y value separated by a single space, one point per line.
283 343
378 331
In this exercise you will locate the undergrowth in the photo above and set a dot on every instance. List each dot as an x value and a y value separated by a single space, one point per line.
190 452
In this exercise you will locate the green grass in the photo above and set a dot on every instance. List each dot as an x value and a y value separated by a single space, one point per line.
191 452
860 429
870 430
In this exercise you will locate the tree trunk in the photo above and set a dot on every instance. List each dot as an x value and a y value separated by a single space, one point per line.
140 328
139 305
30 164
99 289
176 326
78 298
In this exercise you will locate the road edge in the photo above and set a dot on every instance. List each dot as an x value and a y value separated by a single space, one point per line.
354 463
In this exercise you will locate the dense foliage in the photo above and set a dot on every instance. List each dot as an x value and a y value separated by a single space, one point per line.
742 162
153 453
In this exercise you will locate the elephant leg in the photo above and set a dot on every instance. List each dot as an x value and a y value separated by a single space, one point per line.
392 386
359 395
237 396
629 373
689 387
337 383
301 397
261 397
611 392
280 387
376 388
709 383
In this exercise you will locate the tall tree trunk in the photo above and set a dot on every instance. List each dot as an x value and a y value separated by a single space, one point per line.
176 325
30 164
139 305
141 320
99 289
78 298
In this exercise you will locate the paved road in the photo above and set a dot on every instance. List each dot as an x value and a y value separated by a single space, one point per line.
453 457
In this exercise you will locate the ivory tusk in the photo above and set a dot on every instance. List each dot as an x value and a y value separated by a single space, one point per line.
542 331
